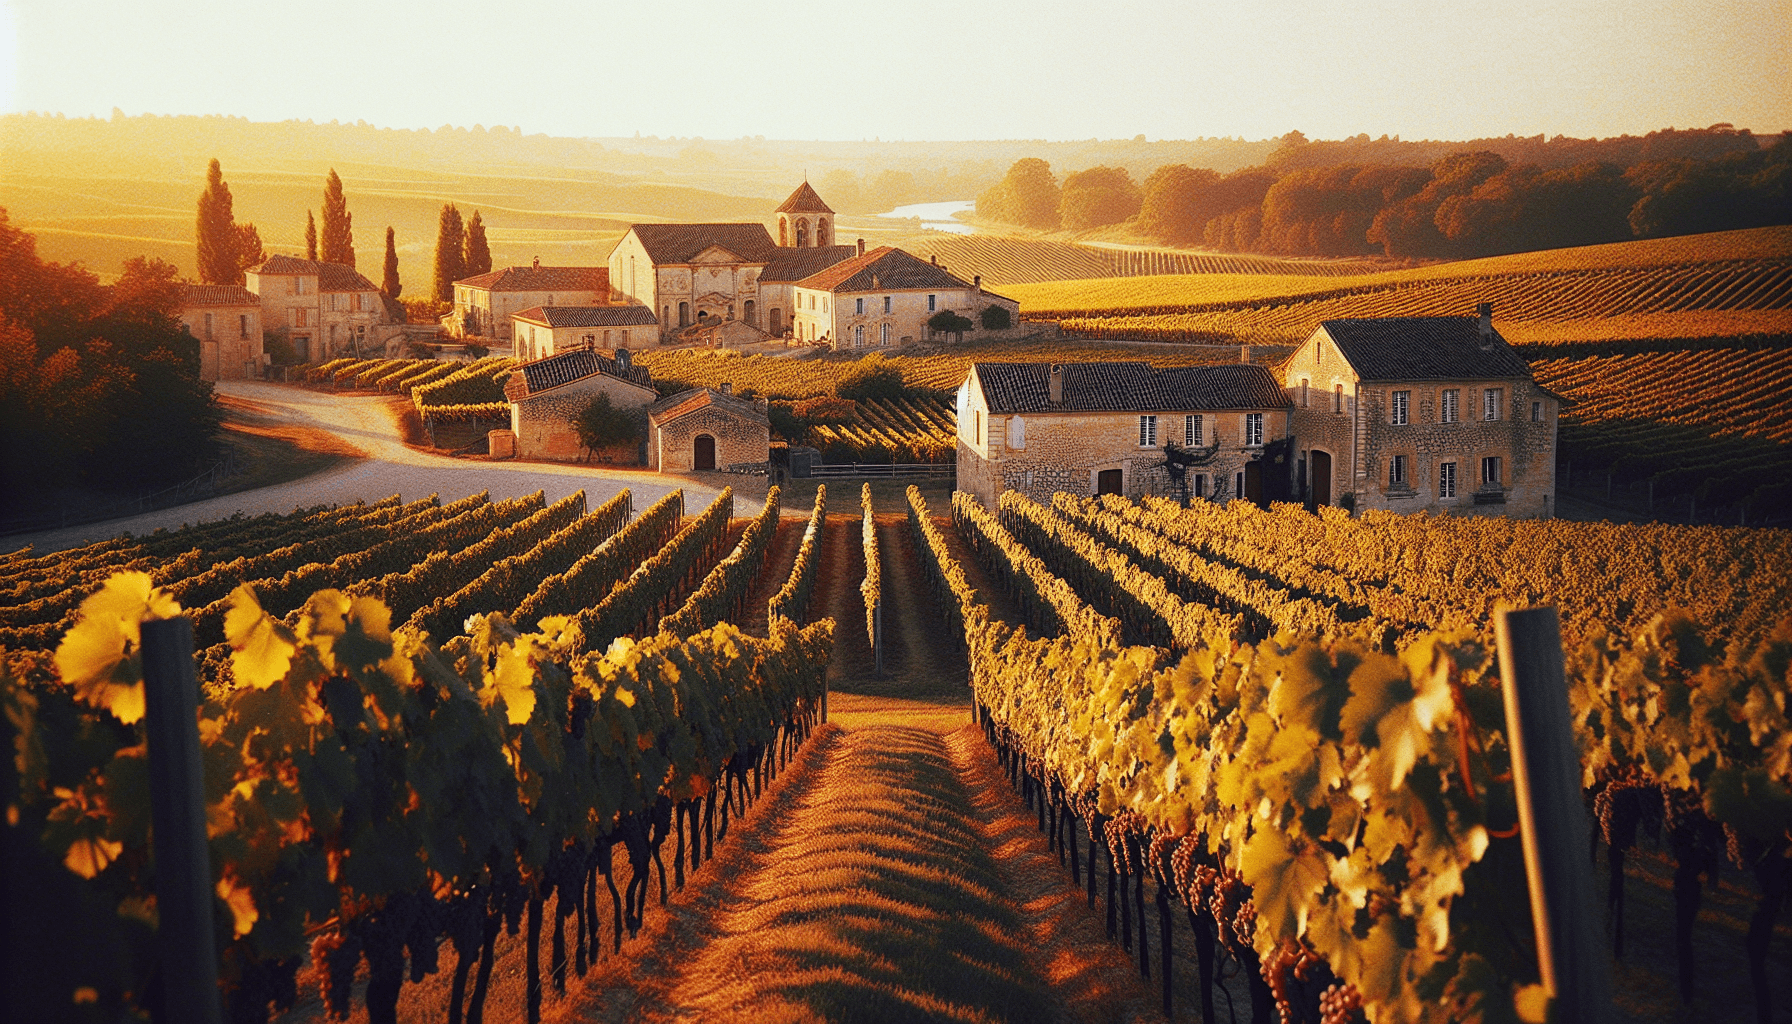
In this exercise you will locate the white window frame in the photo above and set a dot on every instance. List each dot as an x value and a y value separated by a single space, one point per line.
1147 431
1191 431
1446 480
1536 412
886 304
883 334
1492 402
933 303
1017 433
1253 429
859 310
1400 408
1449 406
1397 471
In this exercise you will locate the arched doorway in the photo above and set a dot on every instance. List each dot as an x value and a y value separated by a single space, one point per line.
1320 464
703 452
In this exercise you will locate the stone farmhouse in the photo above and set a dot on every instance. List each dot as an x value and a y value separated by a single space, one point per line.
545 395
884 297
1102 427
1422 413
484 305
324 310
707 428
543 331
226 318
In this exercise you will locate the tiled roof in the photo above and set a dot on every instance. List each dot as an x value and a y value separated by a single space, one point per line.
219 295
1129 387
804 200
285 265
588 316
1423 348
678 243
686 402
566 367
542 279
796 264
331 277
883 269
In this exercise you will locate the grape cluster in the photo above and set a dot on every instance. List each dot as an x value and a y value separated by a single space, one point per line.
1289 963
1341 1004
1620 805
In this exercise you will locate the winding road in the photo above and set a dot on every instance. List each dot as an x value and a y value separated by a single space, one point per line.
390 467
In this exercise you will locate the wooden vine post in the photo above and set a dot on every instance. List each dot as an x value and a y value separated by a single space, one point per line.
1552 817
177 810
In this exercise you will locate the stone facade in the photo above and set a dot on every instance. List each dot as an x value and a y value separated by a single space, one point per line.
324 310
704 424
227 321
543 331
883 299
484 306
543 422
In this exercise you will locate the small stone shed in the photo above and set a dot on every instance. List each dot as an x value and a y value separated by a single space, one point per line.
545 396
706 428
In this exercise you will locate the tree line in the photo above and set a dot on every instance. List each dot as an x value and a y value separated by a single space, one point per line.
1463 205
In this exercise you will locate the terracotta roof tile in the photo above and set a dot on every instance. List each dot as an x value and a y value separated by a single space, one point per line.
686 402
1423 348
566 367
219 295
1129 387
804 200
883 269
589 316
542 279
679 243
331 277
796 264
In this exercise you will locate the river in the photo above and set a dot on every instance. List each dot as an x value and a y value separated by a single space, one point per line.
936 216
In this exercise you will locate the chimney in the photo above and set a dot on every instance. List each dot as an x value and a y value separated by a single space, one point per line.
1244 353
538 263
861 247
624 360
977 288
1055 390
727 387
1485 312
934 259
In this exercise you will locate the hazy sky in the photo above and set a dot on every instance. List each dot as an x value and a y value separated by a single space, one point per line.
918 69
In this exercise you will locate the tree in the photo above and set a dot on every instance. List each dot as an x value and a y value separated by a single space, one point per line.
874 377
995 318
390 284
477 255
602 425
310 236
947 321
1097 197
248 249
337 244
217 240
1027 195
450 258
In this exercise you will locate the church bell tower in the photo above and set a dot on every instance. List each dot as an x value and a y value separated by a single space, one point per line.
804 221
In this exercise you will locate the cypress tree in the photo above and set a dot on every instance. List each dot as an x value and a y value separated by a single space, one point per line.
310 236
390 285
477 258
450 265
248 248
338 242
217 238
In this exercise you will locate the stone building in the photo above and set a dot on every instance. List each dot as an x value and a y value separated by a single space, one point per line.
884 298
543 331
707 428
1103 427
325 310
484 306
804 221
226 318
545 395
1421 413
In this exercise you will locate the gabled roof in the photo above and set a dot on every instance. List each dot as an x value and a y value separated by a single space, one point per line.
542 279
883 269
565 367
1423 348
796 264
588 316
804 200
331 277
678 243
686 402
198 295
1129 387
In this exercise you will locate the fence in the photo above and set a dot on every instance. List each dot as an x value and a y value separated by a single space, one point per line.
928 470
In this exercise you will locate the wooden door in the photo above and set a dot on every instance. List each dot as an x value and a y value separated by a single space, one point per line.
703 455
1253 482
1107 482
1320 464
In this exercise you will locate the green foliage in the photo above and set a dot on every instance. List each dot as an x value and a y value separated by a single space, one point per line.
948 321
389 282
786 423
248 248
995 318
602 425
1027 195
337 244
450 255
1097 197
424 309
873 377
310 236
476 255
216 235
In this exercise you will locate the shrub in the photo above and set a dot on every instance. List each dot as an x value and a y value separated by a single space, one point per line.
602 425
948 322
995 318
874 377
786 423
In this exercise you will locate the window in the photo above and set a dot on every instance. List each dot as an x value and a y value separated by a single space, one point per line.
1338 399
1147 431
1017 432
1401 400
625 337
1397 471
1200 485
859 308
684 314
1536 412
1253 429
1490 403
883 334
1303 392
1447 406
242 325
858 336
886 303
1191 431
300 317
358 300
1490 471
977 435
1446 480
932 303
208 326
591 340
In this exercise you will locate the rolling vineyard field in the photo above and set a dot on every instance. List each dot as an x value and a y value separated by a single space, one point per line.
1006 261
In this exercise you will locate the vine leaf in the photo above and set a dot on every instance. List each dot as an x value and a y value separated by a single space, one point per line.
261 649
1283 881
101 655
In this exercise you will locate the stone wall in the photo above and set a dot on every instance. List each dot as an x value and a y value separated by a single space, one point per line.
1525 447
671 448
543 424
232 348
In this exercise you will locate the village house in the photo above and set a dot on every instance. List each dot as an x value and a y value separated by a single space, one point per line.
548 394
484 306
1105 427
547 330
707 428
324 310
1416 414
226 318
885 297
